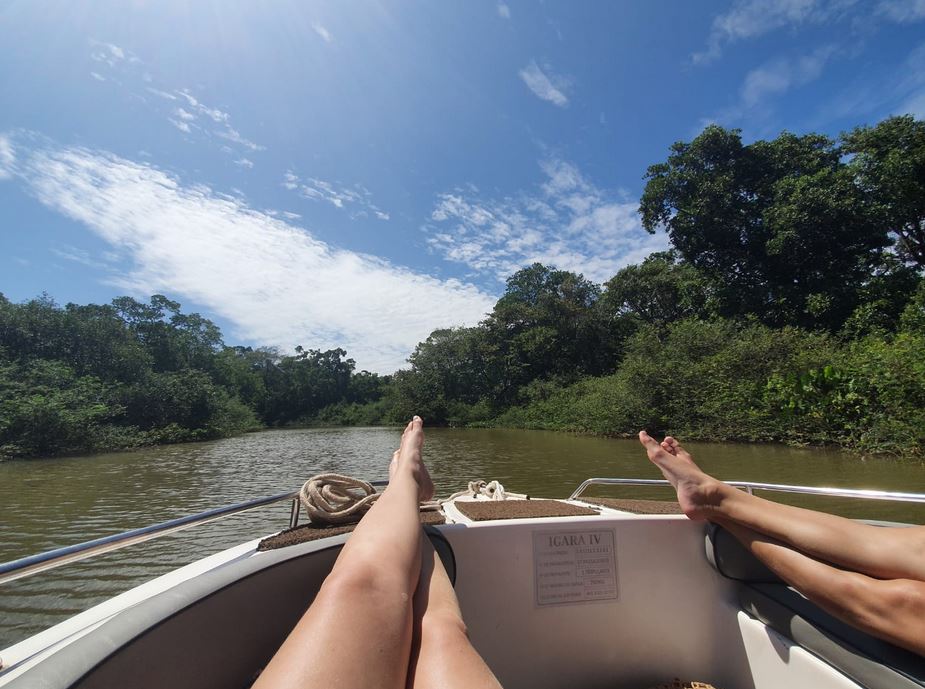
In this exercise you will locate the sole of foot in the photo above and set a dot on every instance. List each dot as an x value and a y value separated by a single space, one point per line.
698 492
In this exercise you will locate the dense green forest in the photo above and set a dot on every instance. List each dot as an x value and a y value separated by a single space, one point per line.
791 307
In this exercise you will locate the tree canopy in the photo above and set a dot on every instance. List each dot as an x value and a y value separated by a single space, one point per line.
790 307
782 228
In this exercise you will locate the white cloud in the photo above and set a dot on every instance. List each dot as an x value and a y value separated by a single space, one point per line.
902 11
909 87
275 282
232 134
183 118
752 18
548 87
214 114
782 74
754 106
504 11
180 124
72 253
901 92
323 32
7 158
245 163
569 223
358 197
162 94
110 54
97 76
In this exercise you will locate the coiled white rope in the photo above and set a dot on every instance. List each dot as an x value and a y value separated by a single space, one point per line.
336 499
339 499
493 490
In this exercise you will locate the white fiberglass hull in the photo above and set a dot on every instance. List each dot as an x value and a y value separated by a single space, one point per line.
660 611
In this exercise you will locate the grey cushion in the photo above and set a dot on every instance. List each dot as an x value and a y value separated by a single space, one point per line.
868 661
732 560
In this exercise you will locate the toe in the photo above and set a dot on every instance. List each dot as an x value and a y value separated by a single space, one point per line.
676 448
649 442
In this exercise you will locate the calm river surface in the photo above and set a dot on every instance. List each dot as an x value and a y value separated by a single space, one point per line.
50 503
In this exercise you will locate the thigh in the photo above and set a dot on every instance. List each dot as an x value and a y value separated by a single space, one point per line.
357 633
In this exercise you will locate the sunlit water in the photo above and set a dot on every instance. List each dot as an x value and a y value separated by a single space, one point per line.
50 503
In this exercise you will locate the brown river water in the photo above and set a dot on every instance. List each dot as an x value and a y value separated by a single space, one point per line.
56 502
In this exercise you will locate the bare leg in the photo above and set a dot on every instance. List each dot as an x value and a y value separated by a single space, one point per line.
442 655
893 610
357 632
876 551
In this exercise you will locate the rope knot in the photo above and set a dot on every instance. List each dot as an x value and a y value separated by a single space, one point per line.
493 489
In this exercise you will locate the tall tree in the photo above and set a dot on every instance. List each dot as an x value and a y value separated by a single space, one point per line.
889 161
547 325
658 291
781 227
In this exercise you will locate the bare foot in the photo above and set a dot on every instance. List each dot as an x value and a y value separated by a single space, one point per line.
408 458
698 492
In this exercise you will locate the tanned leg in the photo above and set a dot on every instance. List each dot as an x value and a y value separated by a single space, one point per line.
893 609
357 632
442 656
886 553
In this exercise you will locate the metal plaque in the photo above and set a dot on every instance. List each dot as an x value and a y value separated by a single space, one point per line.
574 566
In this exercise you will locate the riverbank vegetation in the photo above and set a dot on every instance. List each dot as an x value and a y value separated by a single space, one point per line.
790 307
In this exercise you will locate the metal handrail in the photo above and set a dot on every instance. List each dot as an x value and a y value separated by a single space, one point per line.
751 486
27 566
33 564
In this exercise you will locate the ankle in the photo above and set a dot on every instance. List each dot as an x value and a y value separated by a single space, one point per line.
716 494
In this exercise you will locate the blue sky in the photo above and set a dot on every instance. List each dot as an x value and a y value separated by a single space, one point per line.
357 174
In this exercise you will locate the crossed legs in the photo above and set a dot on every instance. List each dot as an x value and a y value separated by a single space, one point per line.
879 584
371 618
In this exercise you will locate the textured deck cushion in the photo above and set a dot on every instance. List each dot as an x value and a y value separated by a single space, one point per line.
868 661
486 510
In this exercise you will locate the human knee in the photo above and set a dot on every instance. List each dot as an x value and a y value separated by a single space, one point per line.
904 595
444 624
366 580
871 601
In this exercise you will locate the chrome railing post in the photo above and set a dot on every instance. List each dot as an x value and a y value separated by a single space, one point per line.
294 513
751 486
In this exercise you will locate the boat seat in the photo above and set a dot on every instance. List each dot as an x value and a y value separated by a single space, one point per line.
870 662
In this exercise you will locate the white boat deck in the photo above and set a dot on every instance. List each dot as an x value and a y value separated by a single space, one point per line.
609 599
